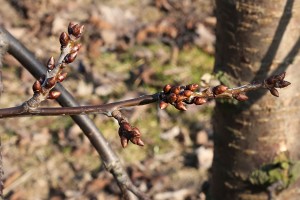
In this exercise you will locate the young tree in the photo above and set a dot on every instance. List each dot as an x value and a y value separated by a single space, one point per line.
256 142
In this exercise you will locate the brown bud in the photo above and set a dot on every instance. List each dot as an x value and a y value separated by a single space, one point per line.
61 77
181 98
271 80
50 82
175 89
75 48
54 94
187 93
64 39
70 57
70 28
125 126
137 141
192 87
140 142
241 97
77 30
36 87
163 105
171 98
180 106
136 132
274 92
50 63
219 89
167 88
281 76
283 84
199 101
124 142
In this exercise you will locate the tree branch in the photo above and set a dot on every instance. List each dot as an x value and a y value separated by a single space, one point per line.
109 158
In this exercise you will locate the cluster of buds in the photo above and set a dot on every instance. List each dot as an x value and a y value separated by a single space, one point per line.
126 131
69 50
178 96
68 40
276 81
129 133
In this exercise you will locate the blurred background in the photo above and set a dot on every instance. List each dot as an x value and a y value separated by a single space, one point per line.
129 48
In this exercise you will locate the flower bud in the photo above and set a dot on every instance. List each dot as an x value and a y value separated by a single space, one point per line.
70 28
219 89
124 141
64 39
199 100
175 89
136 132
180 106
192 87
50 82
274 92
281 76
187 93
75 48
61 77
171 98
125 126
36 87
51 63
181 98
241 97
163 105
77 30
283 84
167 88
70 57
137 141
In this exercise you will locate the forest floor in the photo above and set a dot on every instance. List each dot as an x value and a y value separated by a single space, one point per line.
129 48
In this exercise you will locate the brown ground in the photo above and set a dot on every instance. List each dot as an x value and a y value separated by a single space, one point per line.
130 48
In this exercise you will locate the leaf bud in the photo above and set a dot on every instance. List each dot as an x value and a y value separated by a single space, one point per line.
61 77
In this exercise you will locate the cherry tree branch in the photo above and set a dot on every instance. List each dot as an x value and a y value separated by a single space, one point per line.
108 156
178 96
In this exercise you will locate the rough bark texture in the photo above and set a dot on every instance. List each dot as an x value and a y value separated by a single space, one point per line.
255 39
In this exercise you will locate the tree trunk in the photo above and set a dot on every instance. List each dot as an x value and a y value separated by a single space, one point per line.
255 39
